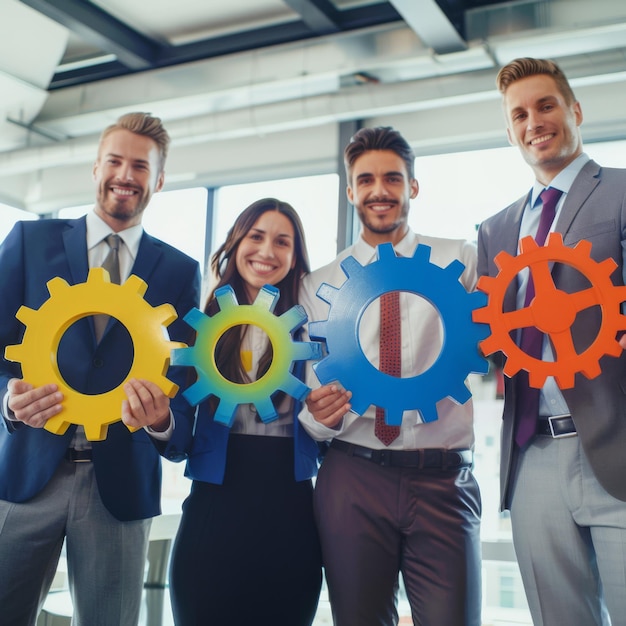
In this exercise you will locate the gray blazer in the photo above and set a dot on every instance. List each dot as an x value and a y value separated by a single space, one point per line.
594 210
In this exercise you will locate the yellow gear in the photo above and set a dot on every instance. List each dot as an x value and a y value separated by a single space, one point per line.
45 328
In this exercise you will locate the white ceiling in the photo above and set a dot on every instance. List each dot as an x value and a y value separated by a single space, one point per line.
251 89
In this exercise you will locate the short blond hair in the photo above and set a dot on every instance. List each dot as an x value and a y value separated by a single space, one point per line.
525 67
146 125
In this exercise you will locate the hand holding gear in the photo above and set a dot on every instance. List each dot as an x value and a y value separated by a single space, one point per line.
552 311
45 327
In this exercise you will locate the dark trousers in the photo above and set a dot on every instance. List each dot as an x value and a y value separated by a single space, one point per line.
376 521
247 551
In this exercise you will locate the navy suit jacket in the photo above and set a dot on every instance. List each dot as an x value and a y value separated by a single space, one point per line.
127 465
594 210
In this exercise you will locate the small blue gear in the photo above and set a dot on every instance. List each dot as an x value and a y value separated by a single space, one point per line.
277 378
346 362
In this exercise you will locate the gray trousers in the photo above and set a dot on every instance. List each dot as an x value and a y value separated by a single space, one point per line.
106 557
375 522
569 536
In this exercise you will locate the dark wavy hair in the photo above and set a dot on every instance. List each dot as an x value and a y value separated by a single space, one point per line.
224 267
379 138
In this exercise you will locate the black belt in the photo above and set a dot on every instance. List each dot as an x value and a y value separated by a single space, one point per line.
78 456
428 458
557 426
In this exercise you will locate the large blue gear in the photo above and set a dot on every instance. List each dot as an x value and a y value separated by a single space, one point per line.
346 362
285 351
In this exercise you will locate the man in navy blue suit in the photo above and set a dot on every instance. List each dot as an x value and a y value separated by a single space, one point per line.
99 496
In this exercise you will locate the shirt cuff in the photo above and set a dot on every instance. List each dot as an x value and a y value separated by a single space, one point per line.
164 435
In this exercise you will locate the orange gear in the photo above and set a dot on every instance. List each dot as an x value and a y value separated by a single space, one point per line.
552 311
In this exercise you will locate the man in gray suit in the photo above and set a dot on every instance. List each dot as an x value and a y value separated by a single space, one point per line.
564 481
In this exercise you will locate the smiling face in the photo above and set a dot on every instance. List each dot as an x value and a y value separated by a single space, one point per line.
543 125
381 190
127 172
266 254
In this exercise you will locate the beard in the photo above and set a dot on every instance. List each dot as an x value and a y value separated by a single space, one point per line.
380 227
122 209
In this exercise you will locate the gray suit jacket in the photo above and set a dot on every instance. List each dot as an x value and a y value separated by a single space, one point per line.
594 210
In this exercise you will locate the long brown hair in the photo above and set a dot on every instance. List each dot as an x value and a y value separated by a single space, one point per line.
224 267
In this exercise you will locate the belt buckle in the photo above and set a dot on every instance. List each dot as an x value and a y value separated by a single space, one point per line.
563 435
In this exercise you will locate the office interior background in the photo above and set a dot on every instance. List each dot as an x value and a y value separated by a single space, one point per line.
260 97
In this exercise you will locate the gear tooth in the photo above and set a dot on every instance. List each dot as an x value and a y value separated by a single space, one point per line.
265 410
26 316
13 353
350 266
536 379
57 425
267 297
527 245
197 393
455 270
583 247
479 365
295 388
194 317
565 380
225 412
293 318
501 259
511 367
608 265
165 314
225 297
393 416
321 371
327 292
169 388
428 413
182 356
96 431
477 299
135 285
486 284
490 345
554 239
613 349
306 351
56 285
461 394
317 330
385 252
592 370
422 253
98 274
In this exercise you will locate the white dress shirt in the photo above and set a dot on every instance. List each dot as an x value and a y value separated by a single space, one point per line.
421 344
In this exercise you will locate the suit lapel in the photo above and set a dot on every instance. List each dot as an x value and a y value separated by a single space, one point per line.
147 257
75 243
584 184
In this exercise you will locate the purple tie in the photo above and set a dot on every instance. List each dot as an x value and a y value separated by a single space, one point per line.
527 405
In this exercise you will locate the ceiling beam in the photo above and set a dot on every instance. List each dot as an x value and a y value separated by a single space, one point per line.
348 20
100 29
431 25
319 15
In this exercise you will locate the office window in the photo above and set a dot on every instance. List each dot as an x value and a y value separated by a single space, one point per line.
9 215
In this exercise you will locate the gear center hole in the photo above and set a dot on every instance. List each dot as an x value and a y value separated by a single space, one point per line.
98 371
423 327
255 352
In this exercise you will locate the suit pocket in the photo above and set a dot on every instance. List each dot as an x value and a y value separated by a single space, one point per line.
574 235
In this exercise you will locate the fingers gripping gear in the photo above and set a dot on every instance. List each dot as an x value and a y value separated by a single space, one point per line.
346 361
277 378
552 311
45 327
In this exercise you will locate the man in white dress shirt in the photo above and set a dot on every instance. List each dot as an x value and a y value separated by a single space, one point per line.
411 505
